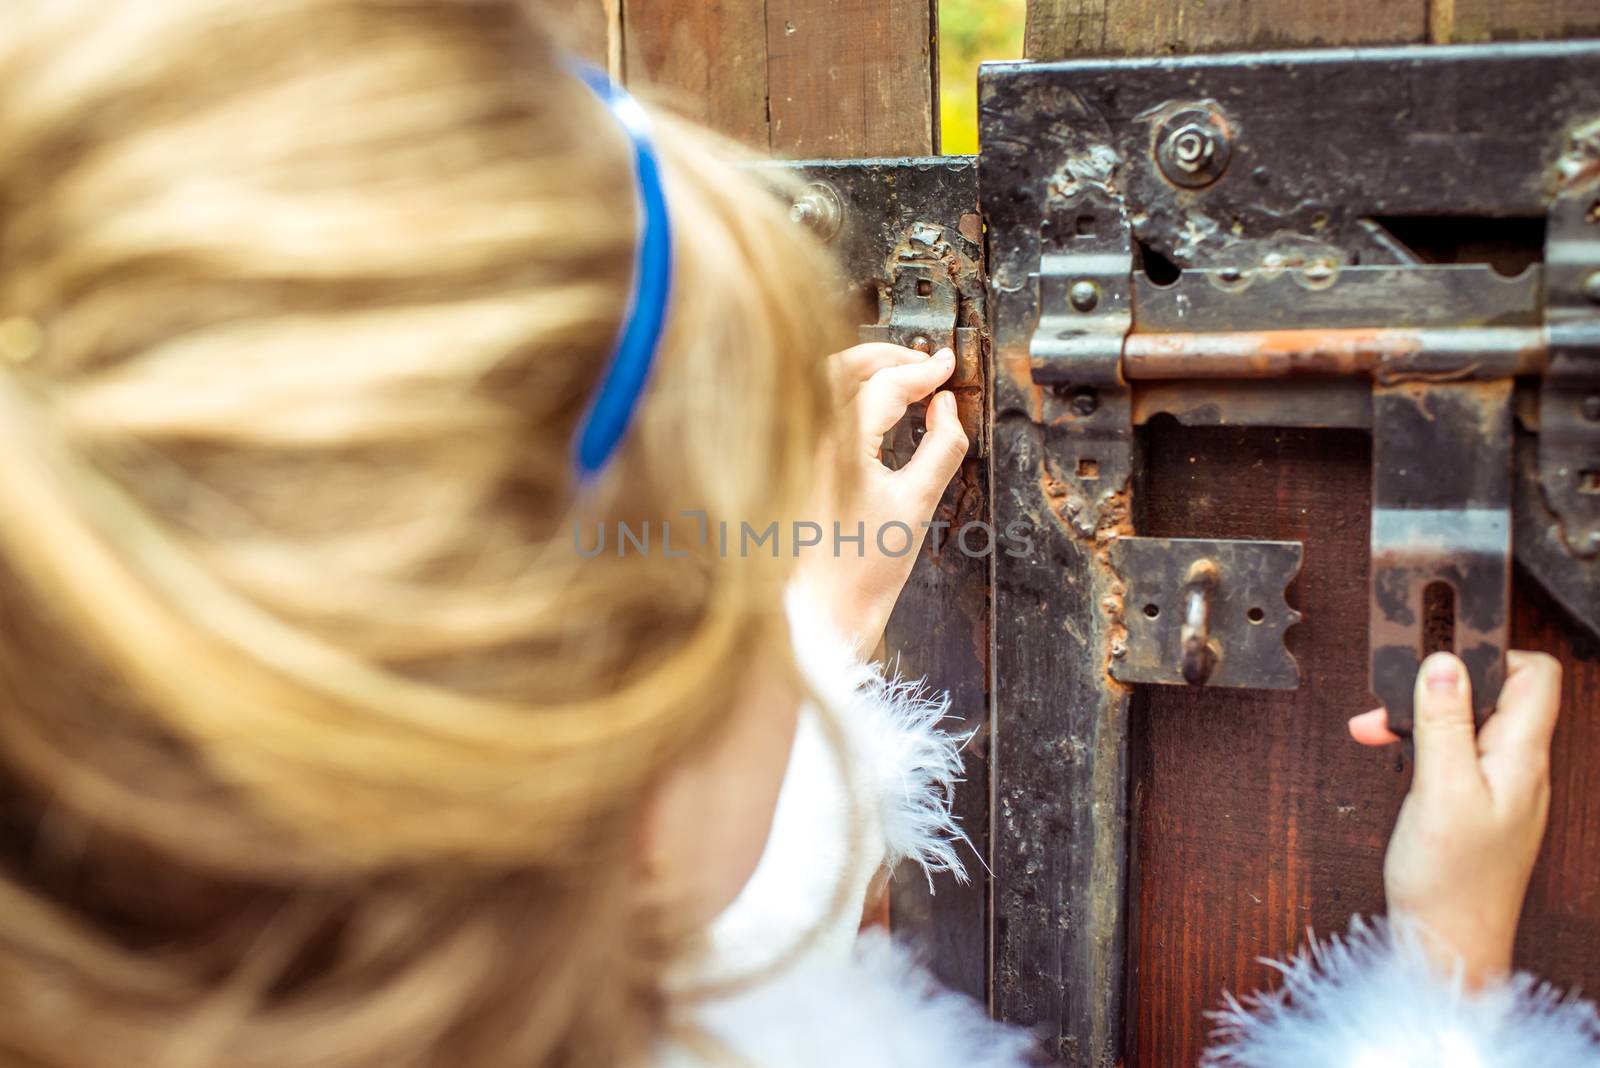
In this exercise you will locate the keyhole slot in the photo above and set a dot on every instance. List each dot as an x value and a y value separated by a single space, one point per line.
1438 618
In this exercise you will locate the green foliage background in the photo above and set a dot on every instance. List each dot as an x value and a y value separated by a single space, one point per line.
971 31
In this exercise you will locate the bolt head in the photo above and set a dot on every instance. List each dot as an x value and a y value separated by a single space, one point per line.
1192 146
1591 287
1084 295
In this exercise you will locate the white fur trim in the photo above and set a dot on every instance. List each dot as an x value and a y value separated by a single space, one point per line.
877 1009
909 766
841 815
1373 1000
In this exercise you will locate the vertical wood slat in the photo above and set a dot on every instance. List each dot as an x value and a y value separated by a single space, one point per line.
850 77
813 79
706 60
1498 20
1058 29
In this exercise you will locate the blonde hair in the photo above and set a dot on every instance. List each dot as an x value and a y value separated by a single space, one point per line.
319 742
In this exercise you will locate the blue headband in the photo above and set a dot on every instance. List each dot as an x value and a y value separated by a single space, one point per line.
606 420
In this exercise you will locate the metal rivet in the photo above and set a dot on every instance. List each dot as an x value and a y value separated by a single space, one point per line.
1193 146
921 344
1591 287
1591 407
1085 401
1084 295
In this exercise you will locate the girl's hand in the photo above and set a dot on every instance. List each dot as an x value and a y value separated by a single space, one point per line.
858 583
1469 831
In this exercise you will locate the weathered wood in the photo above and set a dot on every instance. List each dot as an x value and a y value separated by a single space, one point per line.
1058 29
1255 815
1060 745
850 77
940 633
1503 20
1561 920
708 60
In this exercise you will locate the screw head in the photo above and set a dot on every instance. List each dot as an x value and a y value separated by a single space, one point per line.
1591 407
1084 295
1193 146
1591 287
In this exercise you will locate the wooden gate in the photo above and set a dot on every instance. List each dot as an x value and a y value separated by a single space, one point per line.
1211 827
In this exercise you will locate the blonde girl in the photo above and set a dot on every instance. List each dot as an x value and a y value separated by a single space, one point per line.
323 740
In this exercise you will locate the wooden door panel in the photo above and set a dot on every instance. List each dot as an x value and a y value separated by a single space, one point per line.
1254 814
1061 28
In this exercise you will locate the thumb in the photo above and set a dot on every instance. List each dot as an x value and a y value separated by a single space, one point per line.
1447 745
940 452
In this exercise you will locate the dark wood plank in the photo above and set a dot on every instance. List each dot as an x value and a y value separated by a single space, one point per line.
1561 921
707 60
850 77
940 632
1255 815
1061 28
1504 20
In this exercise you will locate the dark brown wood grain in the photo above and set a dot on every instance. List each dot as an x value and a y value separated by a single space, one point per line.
850 77
1559 938
1255 816
707 60
1504 20
1058 29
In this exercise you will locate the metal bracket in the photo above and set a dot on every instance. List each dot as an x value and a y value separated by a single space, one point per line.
1085 312
1569 396
920 309
909 234
1441 536
1207 612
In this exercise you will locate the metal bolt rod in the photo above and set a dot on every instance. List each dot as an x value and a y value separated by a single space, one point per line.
1455 352
1199 655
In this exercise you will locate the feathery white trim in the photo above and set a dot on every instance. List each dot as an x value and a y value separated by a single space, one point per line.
1373 1000
876 1009
841 815
908 765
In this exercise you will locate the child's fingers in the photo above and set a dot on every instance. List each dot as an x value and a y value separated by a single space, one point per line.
939 454
850 368
1372 728
1443 730
1516 740
885 396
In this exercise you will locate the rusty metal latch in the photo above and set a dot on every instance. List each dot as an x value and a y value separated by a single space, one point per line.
1441 536
1207 612
909 236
